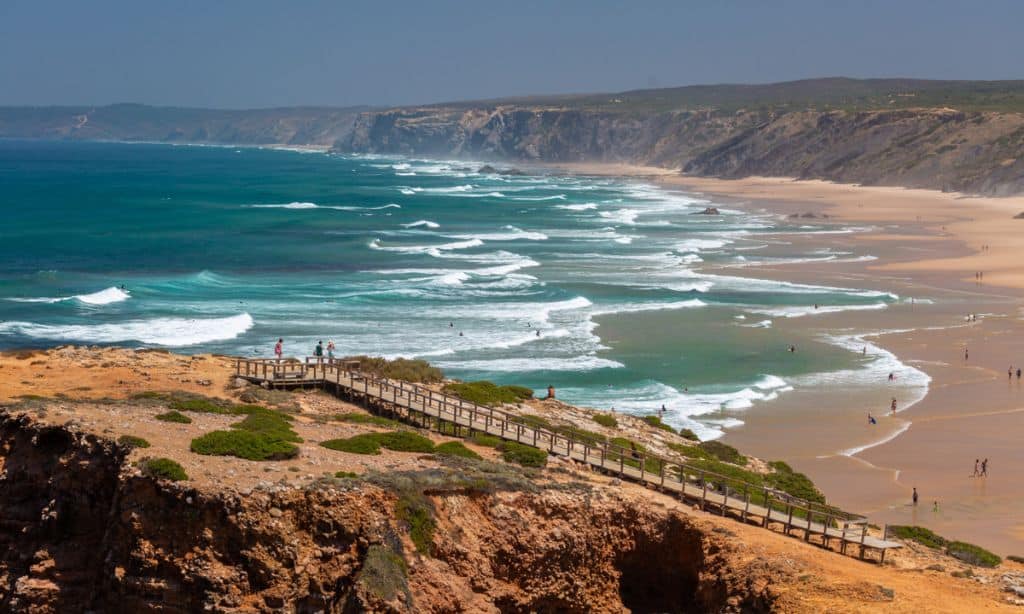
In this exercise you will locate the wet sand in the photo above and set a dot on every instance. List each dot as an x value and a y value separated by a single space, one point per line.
928 246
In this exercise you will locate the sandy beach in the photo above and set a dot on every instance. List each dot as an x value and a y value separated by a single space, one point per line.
929 245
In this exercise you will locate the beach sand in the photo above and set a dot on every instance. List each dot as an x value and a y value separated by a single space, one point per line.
928 244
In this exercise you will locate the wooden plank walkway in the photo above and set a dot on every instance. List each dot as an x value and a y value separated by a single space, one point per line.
424 407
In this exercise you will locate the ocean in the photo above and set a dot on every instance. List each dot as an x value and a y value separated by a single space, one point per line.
616 292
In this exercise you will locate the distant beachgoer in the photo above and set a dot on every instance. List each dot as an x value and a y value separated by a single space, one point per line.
894 405
966 354
538 332
551 394
892 376
1009 372
661 412
451 325
686 389
935 506
815 305
984 468
871 419
279 348
976 470
792 348
1018 372
330 350
318 351
914 496
460 334
864 351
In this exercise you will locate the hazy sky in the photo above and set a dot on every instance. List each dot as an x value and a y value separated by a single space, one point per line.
257 53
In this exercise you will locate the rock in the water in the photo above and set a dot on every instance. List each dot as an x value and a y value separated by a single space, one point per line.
709 211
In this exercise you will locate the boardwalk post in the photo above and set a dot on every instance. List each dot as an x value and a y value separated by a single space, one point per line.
789 521
725 498
704 490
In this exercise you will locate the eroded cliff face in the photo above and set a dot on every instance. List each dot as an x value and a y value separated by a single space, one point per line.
82 531
978 152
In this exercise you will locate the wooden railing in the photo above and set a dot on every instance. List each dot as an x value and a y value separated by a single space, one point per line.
726 491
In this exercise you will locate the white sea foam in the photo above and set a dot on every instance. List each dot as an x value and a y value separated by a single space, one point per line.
301 205
697 245
539 198
638 307
171 332
426 223
513 234
425 249
103 297
810 310
578 207
521 365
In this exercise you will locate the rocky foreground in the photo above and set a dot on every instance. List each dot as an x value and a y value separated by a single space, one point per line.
84 526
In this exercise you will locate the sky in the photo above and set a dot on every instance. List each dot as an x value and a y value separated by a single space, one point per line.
257 53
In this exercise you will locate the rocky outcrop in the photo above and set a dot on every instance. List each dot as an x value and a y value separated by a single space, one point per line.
82 531
978 152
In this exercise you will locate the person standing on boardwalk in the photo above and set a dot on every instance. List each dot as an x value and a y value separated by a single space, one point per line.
330 350
318 351
279 349
914 496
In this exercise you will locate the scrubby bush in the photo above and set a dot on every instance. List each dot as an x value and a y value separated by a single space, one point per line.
244 444
483 439
656 422
606 420
268 423
921 535
415 511
689 451
200 405
523 455
367 443
456 448
371 443
345 474
488 393
724 452
688 434
132 441
164 469
972 554
174 416
404 369
792 482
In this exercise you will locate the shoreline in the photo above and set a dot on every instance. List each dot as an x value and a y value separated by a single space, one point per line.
926 242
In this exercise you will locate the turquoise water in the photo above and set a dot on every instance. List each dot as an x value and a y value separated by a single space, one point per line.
593 285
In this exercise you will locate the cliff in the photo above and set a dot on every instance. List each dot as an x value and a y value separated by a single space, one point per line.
940 148
134 122
85 526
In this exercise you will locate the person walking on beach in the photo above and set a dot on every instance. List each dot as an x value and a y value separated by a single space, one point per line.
330 350
976 461
661 412
1009 372
1018 373
914 496
892 377
967 354
279 349
893 406
984 468
871 419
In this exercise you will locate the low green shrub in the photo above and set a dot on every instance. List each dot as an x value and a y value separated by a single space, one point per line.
148 394
371 443
385 574
404 369
689 451
164 469
792 482
416 512
367 443
346 474
483 439
456 448
524 455
174 416
488 393
132 441
972 554
724 452
688 434
921 535
245 444
656 422
269 423
606 420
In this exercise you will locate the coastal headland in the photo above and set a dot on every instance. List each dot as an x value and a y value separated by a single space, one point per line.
139 510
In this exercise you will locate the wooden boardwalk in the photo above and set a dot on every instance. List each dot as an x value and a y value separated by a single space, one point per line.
813 522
